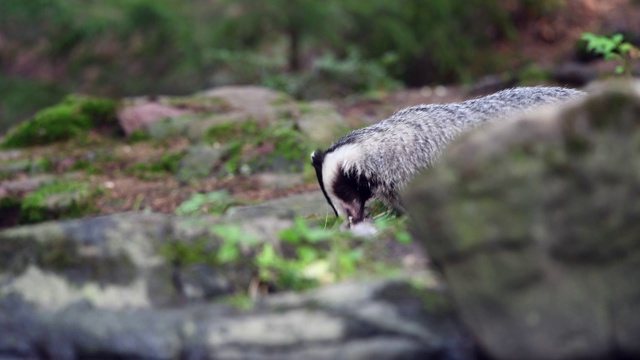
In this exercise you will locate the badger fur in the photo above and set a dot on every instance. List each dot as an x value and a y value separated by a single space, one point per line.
379 160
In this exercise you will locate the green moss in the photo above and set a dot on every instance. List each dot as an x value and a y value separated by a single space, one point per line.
234 157
252 148
101 111
289 143
87 166
233 130
74 116
167 164
138 136
53 124
199 103
290 150
57 200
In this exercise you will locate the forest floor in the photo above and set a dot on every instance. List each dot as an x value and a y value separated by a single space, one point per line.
546 41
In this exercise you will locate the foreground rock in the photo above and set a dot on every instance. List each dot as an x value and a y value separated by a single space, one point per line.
110 287
535 224
378 320
105 287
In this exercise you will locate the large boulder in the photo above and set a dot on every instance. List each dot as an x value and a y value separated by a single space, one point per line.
535 225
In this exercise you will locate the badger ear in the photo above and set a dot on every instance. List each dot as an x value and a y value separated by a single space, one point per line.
317 157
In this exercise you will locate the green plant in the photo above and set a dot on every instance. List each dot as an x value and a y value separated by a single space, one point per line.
234 239
304 257
613 48
201 251
394 227
215 202
317 256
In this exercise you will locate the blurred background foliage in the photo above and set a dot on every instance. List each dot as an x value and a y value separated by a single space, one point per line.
308 48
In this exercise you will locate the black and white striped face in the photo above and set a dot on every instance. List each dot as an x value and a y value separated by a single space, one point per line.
345 190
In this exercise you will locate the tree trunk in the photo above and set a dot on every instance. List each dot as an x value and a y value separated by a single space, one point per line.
294 49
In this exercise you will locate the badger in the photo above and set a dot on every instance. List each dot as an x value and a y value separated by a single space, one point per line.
379 160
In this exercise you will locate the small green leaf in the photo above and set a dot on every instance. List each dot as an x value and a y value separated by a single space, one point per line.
403 237
617 39
228 253
266 257
307 254
290 235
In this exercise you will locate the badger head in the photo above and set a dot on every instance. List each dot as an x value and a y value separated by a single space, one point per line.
345 188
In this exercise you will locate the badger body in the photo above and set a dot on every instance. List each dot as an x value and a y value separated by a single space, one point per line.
379 160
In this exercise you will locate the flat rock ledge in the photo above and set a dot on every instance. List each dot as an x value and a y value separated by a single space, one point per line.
369 320
99 288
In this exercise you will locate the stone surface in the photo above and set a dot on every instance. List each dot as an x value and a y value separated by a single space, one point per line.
375 320
321 123
170 127
305 204
21 186
131 286
109 261
29 166
199 162
139 116
263 105
534 223
279 181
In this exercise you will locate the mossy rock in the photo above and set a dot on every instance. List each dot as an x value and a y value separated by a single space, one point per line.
167 164
29 166
74 116
57 200
199 162
253 148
